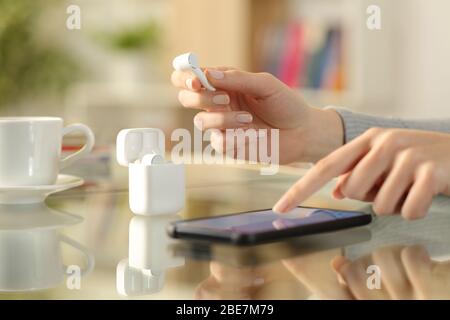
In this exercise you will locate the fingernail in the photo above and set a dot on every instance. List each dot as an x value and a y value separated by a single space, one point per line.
281 206
221 99
189 84
216 74
340 279
244 118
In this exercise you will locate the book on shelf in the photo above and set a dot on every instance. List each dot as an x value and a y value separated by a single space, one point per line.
304 55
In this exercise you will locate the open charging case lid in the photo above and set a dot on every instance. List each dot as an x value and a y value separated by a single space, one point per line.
133 144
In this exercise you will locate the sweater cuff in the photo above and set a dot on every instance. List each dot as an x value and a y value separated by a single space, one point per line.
356 124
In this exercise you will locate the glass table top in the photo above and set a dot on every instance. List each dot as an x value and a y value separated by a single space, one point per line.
86 244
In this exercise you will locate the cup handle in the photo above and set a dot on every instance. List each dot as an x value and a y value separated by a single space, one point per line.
90 140
90 261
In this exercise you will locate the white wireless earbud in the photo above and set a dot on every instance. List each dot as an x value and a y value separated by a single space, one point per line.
151 159
189 62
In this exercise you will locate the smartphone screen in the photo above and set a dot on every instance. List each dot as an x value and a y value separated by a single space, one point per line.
267 222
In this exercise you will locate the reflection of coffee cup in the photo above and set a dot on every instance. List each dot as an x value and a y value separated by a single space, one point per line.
31 259
30 149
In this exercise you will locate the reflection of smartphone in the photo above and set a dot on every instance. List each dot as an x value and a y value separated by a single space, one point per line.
261 226
238 256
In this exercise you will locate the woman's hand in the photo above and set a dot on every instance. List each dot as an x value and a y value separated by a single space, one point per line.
399 170
260 101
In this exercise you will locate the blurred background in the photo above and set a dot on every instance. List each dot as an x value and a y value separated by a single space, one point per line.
114 72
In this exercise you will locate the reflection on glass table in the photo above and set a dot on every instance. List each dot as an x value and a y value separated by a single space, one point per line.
144 271
411 262
266 253
405 272
413 259
30 255
156 267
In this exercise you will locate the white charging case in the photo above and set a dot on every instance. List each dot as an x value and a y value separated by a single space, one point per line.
154 189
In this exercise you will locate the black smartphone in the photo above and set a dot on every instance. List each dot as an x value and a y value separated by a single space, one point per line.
262 226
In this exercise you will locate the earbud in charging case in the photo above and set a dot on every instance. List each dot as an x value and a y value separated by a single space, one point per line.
156 186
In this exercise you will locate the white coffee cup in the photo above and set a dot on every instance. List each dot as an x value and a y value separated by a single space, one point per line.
30 149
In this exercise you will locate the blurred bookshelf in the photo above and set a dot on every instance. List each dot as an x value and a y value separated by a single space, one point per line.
313 45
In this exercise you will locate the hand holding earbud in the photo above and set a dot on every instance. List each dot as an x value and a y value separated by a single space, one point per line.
260 101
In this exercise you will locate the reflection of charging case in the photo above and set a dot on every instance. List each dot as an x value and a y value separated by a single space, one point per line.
144 271
156 188
137 282
149 242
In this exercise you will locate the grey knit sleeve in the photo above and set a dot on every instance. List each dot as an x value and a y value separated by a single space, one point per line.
356 123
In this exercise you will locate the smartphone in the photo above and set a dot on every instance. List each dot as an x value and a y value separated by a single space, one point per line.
262 226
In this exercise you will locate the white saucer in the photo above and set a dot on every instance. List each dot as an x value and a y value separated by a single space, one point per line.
36 194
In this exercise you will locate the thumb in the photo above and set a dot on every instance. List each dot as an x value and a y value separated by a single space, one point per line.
256 84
